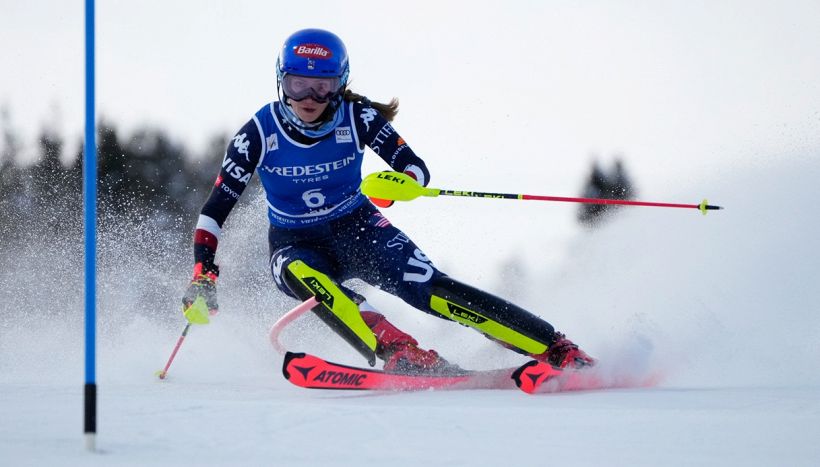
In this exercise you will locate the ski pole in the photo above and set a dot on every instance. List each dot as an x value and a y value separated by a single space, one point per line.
401 187
164 371
197 313
286 319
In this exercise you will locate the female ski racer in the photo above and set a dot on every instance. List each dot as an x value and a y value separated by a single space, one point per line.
307 148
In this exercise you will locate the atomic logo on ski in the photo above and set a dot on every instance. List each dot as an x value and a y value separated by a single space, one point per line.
531 376
340 378
534 377
304 370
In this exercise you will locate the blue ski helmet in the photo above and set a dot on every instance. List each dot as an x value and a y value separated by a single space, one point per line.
315 53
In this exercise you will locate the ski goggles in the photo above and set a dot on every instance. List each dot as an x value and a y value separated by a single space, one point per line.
299 88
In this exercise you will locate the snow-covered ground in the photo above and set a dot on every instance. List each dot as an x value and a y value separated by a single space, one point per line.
724 306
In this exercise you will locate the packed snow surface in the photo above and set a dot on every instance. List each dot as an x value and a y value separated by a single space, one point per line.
724 307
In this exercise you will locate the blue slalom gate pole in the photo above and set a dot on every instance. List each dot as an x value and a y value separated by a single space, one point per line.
90 232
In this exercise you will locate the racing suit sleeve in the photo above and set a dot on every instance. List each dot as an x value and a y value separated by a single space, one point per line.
378 134
241 158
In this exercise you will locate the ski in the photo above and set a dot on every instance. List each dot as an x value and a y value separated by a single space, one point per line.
312 372
309 371
539 377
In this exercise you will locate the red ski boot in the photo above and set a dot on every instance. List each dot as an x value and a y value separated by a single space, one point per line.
400 351
563 353
409 358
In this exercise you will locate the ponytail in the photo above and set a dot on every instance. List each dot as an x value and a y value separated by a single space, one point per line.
388 110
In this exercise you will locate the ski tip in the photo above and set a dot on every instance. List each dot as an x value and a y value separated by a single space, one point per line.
293 356
530 376
517 376
522 368
290 356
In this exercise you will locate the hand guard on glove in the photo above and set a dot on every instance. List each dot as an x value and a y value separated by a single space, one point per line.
202 285
386 203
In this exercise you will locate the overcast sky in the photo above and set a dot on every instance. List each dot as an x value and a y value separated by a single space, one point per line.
573 77
497 96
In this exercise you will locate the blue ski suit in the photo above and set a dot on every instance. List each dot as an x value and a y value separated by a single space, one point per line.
316 211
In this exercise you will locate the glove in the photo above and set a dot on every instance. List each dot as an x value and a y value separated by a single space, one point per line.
202 285
382 203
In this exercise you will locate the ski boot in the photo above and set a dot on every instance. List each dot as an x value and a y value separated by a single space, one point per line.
563 353
400 351
409 358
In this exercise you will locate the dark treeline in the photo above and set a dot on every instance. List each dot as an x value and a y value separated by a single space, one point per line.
142 175
147 177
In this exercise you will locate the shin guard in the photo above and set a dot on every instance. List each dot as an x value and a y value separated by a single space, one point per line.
498 319
335 308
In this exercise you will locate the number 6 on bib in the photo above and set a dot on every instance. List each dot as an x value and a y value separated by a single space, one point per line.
313 199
